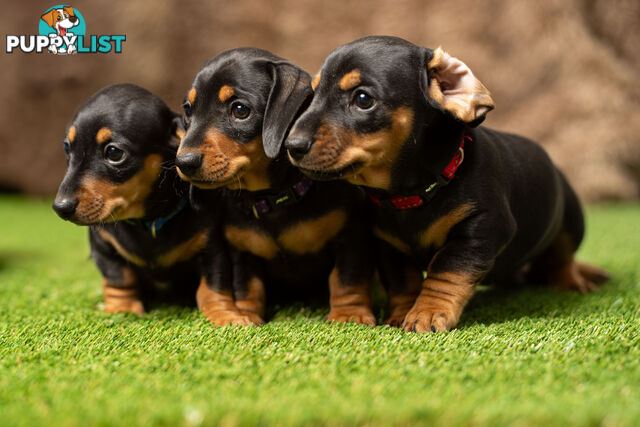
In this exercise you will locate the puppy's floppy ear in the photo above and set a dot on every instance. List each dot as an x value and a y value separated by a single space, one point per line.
290 87
69 10
50 17
449 84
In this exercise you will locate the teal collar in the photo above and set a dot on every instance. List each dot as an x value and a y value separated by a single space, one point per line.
153 225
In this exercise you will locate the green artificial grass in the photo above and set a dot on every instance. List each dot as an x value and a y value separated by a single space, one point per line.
527 357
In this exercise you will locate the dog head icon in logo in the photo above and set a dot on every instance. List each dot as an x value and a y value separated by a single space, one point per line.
60 22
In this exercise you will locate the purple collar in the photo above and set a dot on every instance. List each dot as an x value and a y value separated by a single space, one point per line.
266 204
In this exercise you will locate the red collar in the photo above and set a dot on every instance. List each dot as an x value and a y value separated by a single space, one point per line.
410 202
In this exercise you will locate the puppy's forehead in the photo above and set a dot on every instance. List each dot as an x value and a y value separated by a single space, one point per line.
223 79
377 58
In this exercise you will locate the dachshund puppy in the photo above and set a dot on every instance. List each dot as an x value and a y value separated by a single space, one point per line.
461 202
284 230
122 183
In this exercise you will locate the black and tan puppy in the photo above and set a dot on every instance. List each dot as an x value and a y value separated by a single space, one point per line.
283 229
464 203
122 183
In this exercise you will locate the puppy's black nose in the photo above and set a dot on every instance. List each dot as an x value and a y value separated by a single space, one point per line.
298 146
73 19
65 208
189 162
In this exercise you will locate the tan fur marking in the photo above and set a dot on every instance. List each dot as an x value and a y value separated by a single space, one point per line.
184 251
225 93
349 303
180 134
254 241
312 235
103 135
350 80
392 240
219 307
191 96
71 135
316 81
436 234
100 200
132 258
254 300
122 297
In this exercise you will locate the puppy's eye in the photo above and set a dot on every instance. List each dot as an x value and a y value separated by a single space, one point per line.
363 100
187 108
59 18
114 155
66 147
240 111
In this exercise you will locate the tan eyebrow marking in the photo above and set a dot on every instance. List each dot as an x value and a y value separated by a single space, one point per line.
225 93
316 80
71 135
192 95
103 135
350 80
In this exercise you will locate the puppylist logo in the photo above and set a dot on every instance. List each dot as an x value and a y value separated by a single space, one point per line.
62 31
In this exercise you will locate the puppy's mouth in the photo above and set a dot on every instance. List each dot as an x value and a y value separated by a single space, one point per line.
218 181
63 31
329 174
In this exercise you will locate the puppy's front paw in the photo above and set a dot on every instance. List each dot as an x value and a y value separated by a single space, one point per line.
134 306
400 306
232 317
424 320
122 300
255 318
439 305
356 314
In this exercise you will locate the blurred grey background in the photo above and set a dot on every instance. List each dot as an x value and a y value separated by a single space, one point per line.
563 72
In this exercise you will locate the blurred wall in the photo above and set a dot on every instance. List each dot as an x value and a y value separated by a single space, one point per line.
564 72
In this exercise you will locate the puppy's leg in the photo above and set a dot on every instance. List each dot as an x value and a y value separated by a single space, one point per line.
349 302
350 280
120 284
122 295
556 265
215 295
401 280
248 286
456 268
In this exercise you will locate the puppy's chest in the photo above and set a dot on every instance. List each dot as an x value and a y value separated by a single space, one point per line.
418 232
161 252
295 236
